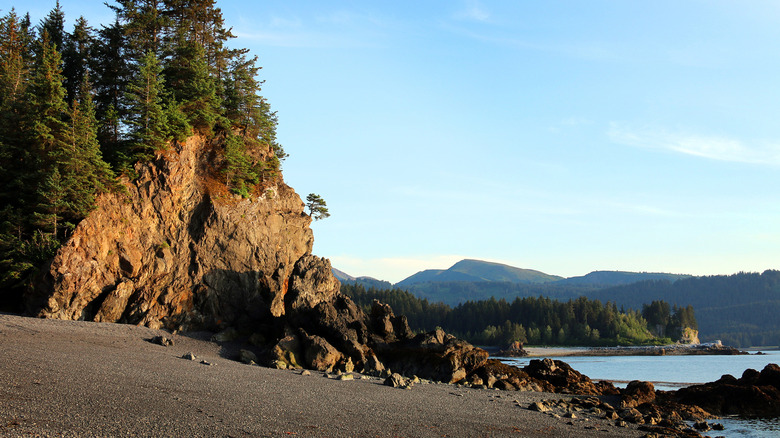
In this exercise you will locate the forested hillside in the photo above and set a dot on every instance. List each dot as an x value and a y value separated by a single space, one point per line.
79 106
741 309
535 320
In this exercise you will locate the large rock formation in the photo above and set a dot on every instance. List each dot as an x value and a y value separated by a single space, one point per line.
177 250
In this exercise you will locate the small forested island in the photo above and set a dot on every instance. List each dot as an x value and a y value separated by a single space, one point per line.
140 184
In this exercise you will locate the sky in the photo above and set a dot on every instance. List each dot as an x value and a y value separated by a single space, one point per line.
560 136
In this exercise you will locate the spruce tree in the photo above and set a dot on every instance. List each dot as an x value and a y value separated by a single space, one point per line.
148 130
110 62
143 22
14 79
54 25
92 175
238 171
46 120
76 56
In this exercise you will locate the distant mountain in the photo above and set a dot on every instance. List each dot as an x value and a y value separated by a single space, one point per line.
618 278
367 282
342 276
473 271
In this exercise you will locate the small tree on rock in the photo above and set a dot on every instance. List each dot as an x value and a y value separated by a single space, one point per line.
317 207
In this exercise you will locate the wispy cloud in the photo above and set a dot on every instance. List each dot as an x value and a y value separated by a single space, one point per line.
711 147
473 11
340 29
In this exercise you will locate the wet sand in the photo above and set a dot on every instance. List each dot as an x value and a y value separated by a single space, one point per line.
83 379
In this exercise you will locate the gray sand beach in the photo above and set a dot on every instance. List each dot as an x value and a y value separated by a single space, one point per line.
73 379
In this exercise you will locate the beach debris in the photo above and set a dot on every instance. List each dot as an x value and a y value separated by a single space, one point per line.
189 356
306 373
162 340
539 406
346 377
205 362
247 357
397 381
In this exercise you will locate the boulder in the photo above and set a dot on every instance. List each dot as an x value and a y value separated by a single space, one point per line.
515 349
162 340
564 378
319 354
396 380
637 393
247 357
288 351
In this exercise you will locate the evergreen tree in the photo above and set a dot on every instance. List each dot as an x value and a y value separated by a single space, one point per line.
14 78
187 76
238 171
54 25
317 207
46 120
143 22
148 130
92 174
76 55
110 60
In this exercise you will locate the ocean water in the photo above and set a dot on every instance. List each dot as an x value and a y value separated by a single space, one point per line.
674 372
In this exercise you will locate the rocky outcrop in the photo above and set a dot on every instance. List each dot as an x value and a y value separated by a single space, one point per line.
179 251
515 349
435 355
755 394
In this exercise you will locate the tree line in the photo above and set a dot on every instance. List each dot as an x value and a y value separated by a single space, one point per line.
532 320
79 108
740 309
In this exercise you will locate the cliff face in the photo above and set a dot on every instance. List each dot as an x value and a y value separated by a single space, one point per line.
177 251
171 253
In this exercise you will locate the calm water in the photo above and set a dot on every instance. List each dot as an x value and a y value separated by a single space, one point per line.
674 372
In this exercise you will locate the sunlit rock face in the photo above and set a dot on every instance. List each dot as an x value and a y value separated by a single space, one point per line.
174 252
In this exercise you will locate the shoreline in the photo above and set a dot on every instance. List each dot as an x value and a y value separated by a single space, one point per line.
670 350
75 378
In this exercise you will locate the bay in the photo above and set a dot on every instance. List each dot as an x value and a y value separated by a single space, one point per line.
674 372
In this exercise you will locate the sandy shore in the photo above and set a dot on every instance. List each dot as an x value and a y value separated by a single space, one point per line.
66 378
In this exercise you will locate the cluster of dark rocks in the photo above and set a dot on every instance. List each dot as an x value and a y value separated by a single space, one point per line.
649 418
755 394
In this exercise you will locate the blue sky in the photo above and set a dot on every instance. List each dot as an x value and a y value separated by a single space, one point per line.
562 136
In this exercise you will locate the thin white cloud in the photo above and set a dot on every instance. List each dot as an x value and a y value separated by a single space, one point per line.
341 29
473 11
711 147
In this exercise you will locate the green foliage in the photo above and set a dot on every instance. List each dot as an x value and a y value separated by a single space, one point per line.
739 309
533 320
317 207
73 102
148 122
238 170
